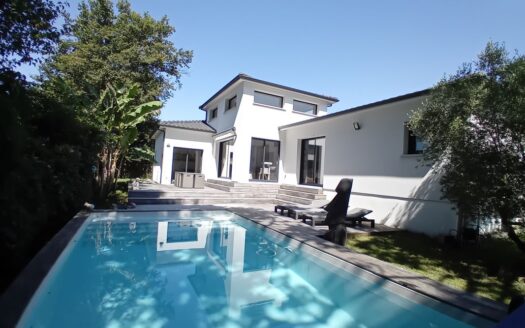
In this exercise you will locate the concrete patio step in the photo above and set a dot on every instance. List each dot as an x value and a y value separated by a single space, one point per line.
302 194
294 199
200 201
304 189
217 186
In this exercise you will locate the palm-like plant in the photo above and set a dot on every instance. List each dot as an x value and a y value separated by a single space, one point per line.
118 116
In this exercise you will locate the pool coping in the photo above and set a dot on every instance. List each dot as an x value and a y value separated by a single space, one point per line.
17 296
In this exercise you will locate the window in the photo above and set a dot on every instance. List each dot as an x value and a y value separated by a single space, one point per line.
312 165
231 103
186 160
264 160
413 143
304 107
213 114
267 99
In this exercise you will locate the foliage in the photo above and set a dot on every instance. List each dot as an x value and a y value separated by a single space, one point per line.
119 47
118 117
27 30
45 172
468 268
474 124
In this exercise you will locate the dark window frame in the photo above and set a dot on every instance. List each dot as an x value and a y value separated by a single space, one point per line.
268 94
315 112
411 141
302 178
213 113
229 102
278 158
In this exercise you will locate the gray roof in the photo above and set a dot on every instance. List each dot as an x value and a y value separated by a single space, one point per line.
245 77
189 125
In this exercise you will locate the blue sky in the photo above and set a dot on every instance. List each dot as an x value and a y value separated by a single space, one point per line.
358 51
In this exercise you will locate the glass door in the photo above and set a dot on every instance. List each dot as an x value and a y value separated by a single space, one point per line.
225 159
264 160
312 161
186 160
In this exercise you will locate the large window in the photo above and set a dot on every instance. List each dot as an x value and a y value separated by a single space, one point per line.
264 160
267 99
231 103
304 107
186 160
312 161
226 159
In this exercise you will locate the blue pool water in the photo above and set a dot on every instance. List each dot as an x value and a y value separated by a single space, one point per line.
216 269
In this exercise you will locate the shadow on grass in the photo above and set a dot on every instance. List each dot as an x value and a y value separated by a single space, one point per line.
494 268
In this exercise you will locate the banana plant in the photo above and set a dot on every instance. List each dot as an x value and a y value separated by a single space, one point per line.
119 116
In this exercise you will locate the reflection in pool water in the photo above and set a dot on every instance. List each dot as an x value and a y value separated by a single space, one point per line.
209 269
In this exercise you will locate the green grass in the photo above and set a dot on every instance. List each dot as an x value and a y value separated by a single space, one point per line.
494 269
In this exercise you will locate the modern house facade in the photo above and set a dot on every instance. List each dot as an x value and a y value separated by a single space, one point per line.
258 131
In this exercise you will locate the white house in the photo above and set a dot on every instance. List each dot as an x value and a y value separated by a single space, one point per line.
261 131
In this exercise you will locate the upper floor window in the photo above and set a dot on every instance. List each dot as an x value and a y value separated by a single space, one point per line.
231 103
213 113
267 99
304 107
413 143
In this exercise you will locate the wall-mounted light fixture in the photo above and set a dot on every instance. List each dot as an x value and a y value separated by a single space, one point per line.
357 126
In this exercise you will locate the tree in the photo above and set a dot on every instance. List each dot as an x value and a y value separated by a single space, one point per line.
119 48
45 171
118 118
27 31
474 124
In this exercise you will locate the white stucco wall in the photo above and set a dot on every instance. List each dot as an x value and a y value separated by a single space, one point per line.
187 139
400 191
260 121
225 119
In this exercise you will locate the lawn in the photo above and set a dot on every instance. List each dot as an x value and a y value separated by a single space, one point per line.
494 268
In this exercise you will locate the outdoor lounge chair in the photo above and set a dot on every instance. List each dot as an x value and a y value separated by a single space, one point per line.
295 211
354 216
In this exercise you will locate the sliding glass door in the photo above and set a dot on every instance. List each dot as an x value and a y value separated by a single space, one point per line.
264 160
186 160
225 159
312 161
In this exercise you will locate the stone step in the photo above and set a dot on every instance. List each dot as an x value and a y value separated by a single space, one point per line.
225 182
302 194
217 186
201 201
294 199
229 195
178 193
229 183
305 189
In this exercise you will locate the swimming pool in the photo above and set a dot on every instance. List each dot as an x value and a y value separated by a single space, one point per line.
216 269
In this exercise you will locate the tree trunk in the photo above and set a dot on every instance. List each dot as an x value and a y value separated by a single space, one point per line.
106 176
506 223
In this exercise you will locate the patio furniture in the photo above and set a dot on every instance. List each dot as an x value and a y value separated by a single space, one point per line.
265 171
354 216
